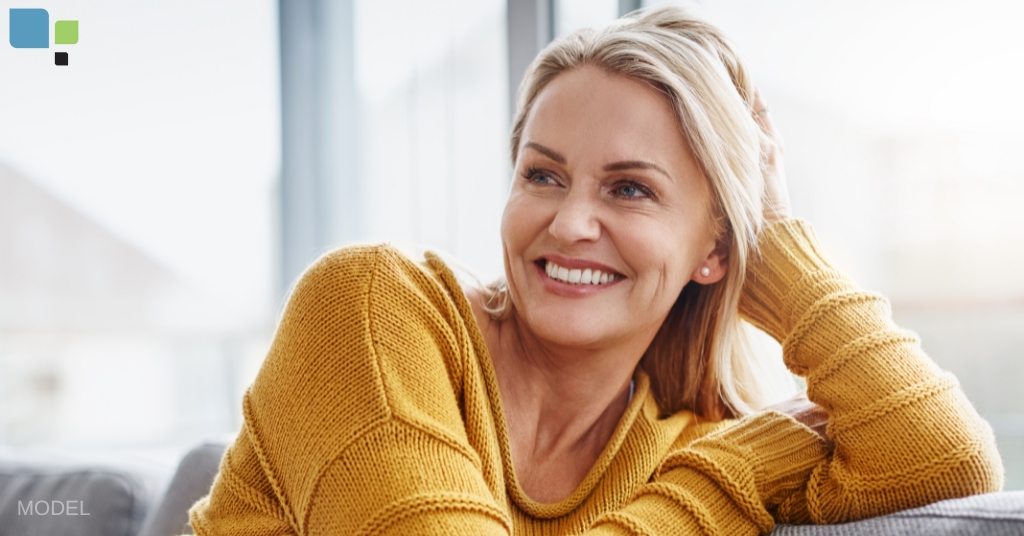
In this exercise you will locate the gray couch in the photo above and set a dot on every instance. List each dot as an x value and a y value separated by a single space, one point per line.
131 501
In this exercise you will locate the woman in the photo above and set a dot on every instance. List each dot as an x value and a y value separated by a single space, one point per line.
604 386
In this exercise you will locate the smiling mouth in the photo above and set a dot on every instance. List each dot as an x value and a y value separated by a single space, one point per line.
577 276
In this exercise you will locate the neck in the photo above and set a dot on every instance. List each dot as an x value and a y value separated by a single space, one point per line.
561 400
561 405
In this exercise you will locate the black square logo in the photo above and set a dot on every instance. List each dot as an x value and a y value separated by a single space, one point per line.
60 58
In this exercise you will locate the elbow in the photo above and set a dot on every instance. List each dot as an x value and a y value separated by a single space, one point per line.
975 467
983 469
973 463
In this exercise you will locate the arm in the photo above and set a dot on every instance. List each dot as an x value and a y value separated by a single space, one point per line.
352 425
905 434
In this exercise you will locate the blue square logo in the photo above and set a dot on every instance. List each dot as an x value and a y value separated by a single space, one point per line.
30 28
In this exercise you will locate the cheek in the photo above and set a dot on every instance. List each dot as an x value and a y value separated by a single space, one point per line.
661 253
649 239
521 221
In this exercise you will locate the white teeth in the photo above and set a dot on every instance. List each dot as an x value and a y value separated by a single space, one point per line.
577 276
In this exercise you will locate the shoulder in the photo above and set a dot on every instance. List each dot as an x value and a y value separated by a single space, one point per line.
359 262
363 304
362 271
369 322
393 295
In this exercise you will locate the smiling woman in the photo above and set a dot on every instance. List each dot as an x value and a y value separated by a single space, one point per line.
603 386
626 173
610 186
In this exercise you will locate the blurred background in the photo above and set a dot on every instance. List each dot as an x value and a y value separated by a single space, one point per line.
160 194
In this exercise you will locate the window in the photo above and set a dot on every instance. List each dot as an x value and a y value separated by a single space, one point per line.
137 209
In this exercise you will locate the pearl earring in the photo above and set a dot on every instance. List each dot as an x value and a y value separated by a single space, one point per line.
705 271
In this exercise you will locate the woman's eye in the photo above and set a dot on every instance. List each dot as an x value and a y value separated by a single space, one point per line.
539 177
631 190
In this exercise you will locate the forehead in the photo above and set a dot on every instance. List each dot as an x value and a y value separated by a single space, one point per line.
588 112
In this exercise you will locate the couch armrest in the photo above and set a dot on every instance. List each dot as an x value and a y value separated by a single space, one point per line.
992 514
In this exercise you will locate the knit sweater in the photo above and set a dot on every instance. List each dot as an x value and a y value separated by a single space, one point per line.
377 411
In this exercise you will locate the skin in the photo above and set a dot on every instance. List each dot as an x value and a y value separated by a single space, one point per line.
604 177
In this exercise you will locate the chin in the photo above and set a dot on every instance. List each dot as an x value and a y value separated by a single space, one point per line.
577 326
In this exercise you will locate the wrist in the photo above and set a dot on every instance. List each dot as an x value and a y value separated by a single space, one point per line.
776 211
769 451
786 252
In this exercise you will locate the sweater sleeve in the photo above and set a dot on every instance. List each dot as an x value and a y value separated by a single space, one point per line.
904 433
358 389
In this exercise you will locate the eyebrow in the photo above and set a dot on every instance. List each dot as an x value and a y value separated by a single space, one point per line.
616 166
546 151
636 164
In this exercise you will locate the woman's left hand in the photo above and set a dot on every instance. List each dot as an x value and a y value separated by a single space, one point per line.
776 194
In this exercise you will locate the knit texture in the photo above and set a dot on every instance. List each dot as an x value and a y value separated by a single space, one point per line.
377 412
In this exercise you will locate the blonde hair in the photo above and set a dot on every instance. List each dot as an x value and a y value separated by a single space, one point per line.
700 359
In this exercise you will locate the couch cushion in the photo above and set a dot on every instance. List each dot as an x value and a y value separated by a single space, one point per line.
81 501
993 514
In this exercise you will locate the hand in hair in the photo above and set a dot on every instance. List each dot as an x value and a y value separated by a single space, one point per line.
805 412
776 194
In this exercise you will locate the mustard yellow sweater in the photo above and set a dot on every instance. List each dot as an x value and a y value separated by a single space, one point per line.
377 411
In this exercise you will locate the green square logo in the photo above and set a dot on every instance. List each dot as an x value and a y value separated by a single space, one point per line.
65 32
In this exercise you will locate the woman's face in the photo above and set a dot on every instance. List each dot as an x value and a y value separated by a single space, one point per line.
604 182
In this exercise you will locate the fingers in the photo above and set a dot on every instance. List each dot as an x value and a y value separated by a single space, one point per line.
759 103
763 117
776 194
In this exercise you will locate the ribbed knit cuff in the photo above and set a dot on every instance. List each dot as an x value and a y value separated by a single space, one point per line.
775 294
786 452
780 451
787 250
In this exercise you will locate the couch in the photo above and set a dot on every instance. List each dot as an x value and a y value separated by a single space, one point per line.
122 500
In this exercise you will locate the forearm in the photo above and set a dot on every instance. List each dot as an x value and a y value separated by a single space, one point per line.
904 433
397 479
393 480
724 483
242 500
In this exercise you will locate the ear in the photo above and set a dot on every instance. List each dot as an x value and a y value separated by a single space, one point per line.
716 263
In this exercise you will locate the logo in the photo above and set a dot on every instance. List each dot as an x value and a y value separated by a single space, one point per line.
30 28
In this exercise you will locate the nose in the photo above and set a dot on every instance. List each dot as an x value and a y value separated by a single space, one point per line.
577 218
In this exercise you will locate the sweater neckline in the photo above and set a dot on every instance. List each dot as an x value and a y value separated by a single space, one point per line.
597 471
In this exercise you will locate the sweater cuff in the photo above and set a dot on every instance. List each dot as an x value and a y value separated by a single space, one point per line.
780 452
787 251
